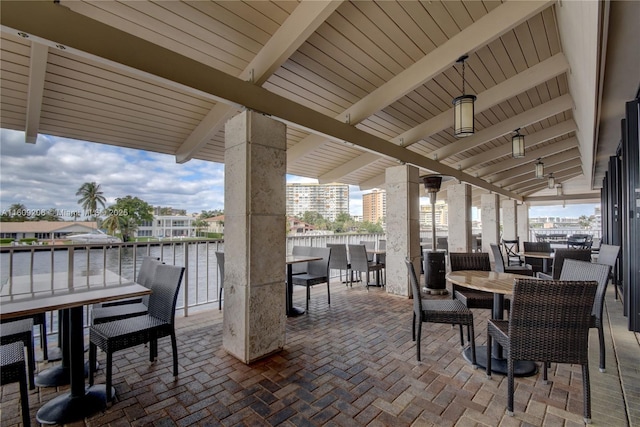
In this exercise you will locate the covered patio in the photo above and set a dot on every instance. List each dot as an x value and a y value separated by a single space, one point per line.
353 363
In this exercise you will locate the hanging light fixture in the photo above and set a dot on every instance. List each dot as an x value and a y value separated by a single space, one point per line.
552 181
559 190
539 171
517 145
463 109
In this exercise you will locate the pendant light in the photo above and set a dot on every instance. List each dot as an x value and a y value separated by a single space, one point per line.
552 181
559 190
539 171
463 109
517 145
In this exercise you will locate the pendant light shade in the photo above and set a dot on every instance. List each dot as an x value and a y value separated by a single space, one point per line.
539 171
463 110
559 190
517 145
552 181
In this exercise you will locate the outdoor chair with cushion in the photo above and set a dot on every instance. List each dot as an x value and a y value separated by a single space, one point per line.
548 322
220 262
340 261
536 264
361 263
21 331
12 369
118 335
317 272
472 298
447 311
559 256
582 270
131 307
500 267
511 248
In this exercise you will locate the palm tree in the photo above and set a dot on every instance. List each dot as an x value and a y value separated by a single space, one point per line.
112 224
90 197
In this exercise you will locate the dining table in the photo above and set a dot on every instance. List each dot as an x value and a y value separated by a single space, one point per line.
79 402
499 284
545 256
291 310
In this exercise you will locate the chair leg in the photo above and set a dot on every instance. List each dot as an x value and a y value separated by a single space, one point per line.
472 341
461 335
413 327
418 339
488 368
602 349
31 362
545 369
109 373
43 338
220 300
92 362
510 386
174 348
587 393
328 293
308 296
24 399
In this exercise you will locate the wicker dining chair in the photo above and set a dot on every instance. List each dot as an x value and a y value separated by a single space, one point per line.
360 262
511 248
471 261
220 262
548 322
582 270
340 261
158 323
317 273
559 256
12 369
447 311
21 331
130 307
501 268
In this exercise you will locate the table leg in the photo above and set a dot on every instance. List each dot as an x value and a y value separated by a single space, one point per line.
79 402
521 368
291 310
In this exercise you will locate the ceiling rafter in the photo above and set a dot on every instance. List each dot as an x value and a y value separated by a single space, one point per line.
559 171
302 22
37 72
521 173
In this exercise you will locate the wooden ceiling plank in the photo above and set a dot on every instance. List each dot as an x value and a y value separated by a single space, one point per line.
514 175
37 72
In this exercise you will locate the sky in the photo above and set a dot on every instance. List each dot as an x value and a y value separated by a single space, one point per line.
47 175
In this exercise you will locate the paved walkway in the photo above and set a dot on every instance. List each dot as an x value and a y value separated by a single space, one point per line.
349 364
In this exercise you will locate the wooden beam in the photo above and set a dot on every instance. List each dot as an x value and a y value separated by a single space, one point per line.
37 72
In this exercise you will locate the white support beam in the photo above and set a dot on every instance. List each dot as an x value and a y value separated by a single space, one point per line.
54 22
534 115
377 181
37 72
303 21
583 197
542 152
491 26
517 84
531 140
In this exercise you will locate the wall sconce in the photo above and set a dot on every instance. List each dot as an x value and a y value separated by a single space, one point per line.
552 181
463 109
517 145
539 171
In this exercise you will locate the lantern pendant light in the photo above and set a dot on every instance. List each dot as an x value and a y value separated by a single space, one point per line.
559 190
463 109
552 181
539 171
517 145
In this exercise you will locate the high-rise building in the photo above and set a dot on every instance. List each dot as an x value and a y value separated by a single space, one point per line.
442 215
329 200
374 206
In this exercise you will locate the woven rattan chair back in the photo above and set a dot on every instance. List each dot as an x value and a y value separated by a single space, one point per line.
12 369
164 296
317 272
608 254
360 261
300 267
562 254
581 270
469 261
339 260
497 257
220 262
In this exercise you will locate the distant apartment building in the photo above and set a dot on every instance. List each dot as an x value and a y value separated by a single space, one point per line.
329 200
374 206
168 226
442 215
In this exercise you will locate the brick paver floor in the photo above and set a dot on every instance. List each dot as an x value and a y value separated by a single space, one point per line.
349 364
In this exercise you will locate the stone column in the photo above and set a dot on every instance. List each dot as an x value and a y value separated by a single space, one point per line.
490 205
509 220
459 201
523 223
403 226
255 239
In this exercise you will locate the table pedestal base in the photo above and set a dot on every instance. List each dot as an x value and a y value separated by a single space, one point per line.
521 368
295 311
67 409
57 376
